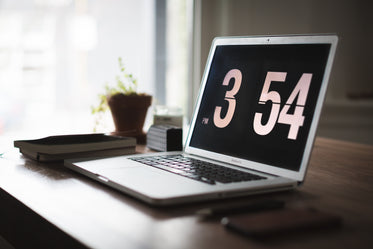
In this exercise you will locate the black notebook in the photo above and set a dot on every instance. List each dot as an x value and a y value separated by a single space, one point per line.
58 148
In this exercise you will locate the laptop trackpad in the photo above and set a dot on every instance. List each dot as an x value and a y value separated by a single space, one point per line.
150 181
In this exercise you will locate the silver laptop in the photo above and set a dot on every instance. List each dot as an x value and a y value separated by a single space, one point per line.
252 130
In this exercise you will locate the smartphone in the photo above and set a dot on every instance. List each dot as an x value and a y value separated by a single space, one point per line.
280 222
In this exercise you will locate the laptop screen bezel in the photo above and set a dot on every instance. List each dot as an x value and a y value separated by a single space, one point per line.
267 40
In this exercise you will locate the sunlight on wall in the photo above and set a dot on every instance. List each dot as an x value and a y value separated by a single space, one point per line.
56 57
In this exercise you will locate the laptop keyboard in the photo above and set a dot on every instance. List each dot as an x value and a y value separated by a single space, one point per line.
196 169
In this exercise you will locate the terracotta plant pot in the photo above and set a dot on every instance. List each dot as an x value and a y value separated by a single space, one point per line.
129 113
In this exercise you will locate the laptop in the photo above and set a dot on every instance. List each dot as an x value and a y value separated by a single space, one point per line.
252 130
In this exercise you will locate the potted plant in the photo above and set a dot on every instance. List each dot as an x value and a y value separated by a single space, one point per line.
127 106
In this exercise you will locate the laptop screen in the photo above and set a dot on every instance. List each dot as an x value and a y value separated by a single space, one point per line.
259 101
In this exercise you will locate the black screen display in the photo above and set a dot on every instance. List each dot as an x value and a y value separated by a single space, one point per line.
259 102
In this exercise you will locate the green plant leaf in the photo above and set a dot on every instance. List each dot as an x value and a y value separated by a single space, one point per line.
125 84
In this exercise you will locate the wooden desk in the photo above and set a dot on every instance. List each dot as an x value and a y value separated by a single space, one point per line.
48 206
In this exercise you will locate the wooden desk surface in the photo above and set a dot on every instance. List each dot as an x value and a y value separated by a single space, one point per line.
339 180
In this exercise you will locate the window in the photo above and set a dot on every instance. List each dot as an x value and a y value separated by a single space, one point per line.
56 56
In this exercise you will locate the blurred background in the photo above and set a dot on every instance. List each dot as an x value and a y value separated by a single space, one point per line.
57 55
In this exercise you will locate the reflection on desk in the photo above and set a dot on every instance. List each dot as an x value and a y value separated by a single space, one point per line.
47 205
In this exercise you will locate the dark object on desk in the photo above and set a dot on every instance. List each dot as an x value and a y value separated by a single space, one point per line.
255 206
165 138
129 112
280 222
58 148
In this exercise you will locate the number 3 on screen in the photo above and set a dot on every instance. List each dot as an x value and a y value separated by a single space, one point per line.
230 97
296 119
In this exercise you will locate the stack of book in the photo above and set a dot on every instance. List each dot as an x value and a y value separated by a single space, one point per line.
58 148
